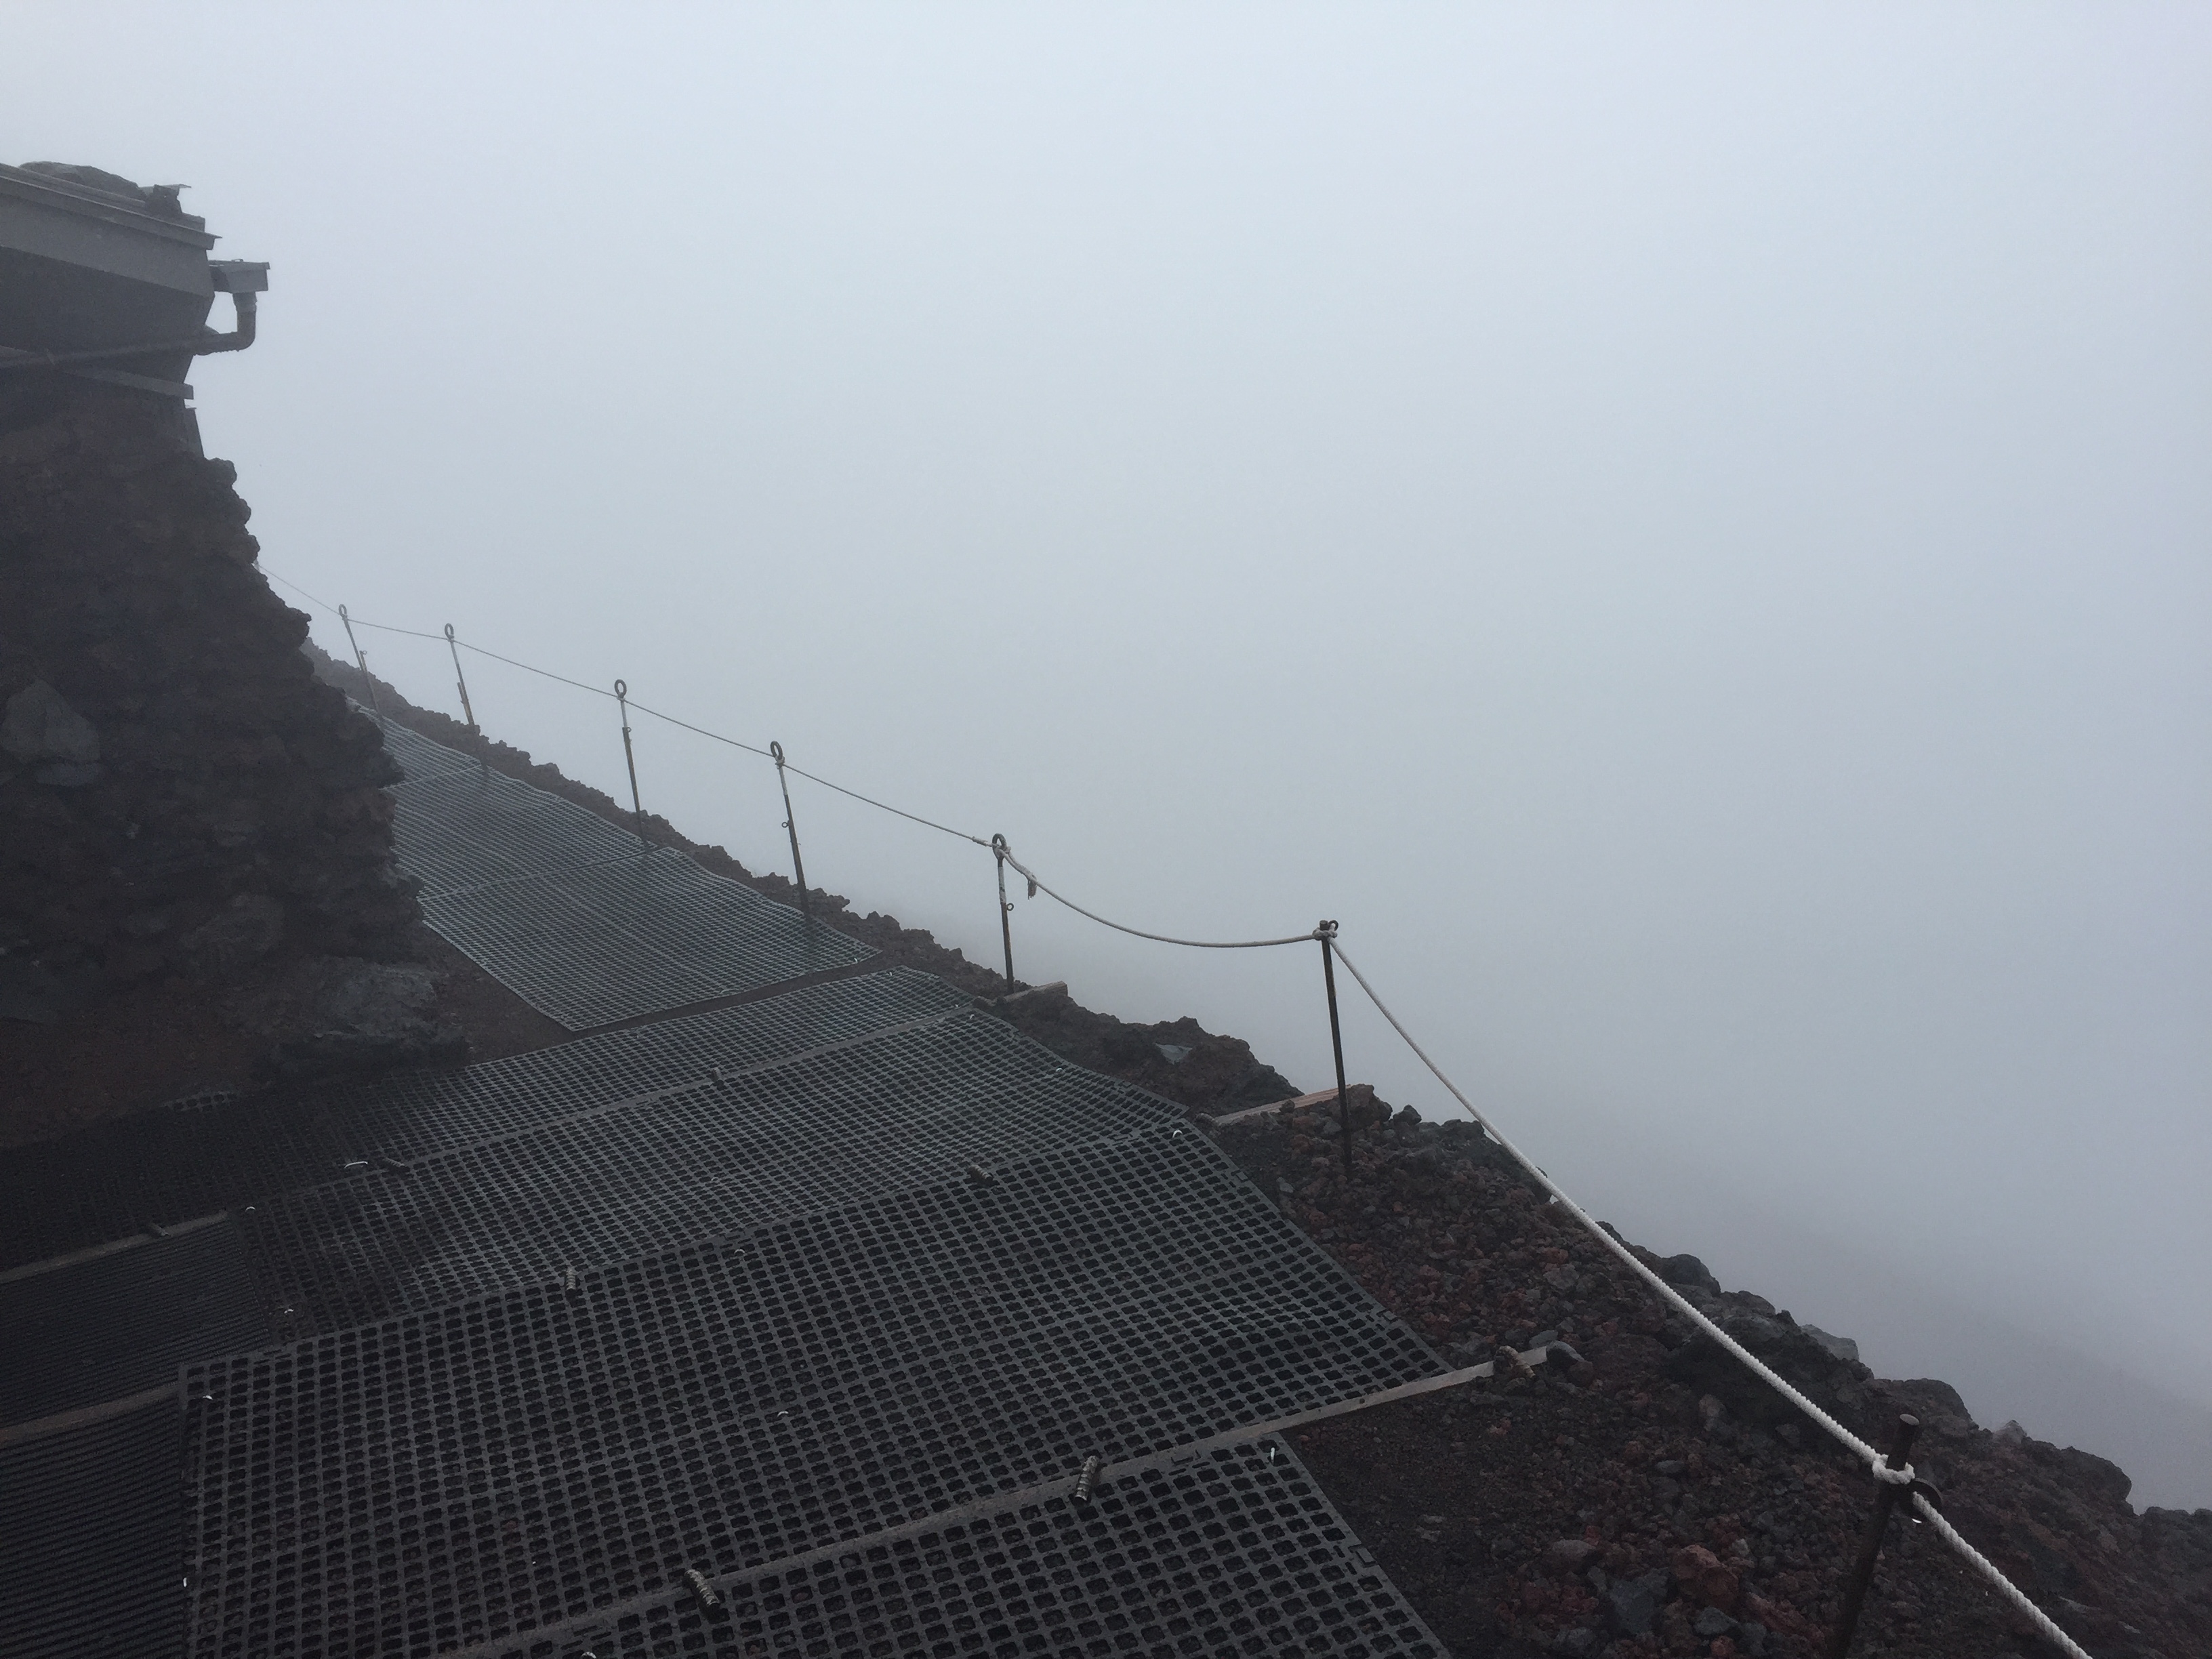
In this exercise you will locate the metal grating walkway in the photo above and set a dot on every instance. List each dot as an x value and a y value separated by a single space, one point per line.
828 1294
1235 1553
91 1526
420 756
880 1114
578 918
730 1404
170 1166
82 1332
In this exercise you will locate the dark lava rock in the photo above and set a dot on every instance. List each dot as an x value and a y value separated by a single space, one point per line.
357 1017
1689 1271
1632 1605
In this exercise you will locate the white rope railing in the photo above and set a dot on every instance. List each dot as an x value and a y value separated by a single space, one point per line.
1874 1461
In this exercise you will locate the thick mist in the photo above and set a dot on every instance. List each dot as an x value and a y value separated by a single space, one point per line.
1686 532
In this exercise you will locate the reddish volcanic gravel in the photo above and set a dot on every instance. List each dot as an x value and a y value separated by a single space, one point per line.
1643 1494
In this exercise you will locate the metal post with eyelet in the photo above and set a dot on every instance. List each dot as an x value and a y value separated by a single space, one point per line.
791 824
999 851
1886 1494
361 660
1326 932
460 680
629 756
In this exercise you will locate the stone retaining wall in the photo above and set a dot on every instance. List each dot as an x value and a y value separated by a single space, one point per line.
178 794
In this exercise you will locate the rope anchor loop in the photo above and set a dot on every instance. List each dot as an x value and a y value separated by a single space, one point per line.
460 680
361 660
629 756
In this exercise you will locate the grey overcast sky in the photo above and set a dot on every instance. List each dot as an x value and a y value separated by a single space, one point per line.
1685 528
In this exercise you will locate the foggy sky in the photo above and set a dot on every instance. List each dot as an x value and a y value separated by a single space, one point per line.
1686 531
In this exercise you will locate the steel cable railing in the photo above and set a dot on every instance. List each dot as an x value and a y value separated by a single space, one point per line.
1325 933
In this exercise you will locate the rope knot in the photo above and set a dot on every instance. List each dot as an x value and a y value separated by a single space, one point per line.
1900 1476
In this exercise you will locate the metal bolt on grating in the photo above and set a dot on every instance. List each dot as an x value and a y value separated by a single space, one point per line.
700 1587
1087 1478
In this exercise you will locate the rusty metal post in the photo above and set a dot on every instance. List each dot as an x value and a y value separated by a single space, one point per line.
629 757
1885 1500
460 680
1326 932
999 851
361 661
791 823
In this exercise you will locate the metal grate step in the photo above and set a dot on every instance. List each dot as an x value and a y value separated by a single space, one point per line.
1234 1553
448 1477
906 1109
91 1535
171 1165
576 916
84 1331
464 830
608 941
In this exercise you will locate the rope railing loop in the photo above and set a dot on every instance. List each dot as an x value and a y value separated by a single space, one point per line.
1038 883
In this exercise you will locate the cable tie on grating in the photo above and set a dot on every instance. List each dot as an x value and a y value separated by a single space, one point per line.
396 1165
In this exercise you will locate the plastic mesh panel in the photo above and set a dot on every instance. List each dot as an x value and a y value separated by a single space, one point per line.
1231 1552
91 1536
168 1166
570 913
906 1110
99 1330
592 946
419 756
171 1165
449 1477
466 828
423 1111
